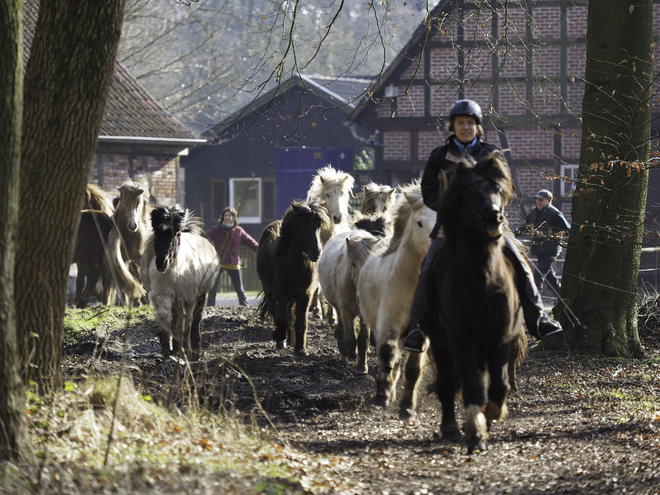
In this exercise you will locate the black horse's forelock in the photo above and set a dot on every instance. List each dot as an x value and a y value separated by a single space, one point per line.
167 223
298 211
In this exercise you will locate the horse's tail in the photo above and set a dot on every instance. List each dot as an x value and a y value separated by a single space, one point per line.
126 284
266 311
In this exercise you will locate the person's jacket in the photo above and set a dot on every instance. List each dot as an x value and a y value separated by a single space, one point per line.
446 158
551 222
228 251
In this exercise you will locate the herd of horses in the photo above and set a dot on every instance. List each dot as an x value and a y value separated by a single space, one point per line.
362 265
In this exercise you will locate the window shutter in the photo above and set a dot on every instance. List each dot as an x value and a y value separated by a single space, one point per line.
218 198
268 205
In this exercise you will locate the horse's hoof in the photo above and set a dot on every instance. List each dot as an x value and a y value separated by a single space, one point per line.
381 401
280 344
406 413
476 444
301 352
362 369
451 432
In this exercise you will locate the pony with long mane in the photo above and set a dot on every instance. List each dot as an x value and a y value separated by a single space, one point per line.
89 247
286 265
132 227
377 199
386 286
180 265
334 188
341 260
473 290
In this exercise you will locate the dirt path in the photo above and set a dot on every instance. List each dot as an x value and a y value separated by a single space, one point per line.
575 426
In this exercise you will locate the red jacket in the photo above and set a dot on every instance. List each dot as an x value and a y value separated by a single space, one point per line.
228 252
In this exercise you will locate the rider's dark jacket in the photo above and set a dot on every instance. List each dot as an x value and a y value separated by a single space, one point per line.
446 158
547 224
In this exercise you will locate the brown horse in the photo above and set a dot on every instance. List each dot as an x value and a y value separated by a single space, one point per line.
479 317
286 264
89 247
132 226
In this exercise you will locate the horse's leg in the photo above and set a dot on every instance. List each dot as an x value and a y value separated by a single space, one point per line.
175 325
300 324
195 327
80 286
446 387
413 372
363 346
474 398
281 318
163 307
348 337
498 362
92 275
389 356
339 337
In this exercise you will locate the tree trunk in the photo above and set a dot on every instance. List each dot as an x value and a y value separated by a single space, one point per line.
67 81
602 260
14 444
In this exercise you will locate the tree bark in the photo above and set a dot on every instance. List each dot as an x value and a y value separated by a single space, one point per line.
67 80
14 443
602 260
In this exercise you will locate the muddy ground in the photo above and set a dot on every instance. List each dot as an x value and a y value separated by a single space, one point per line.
576 425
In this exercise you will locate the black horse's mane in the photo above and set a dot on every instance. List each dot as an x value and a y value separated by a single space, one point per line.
175 219
376 226
298 210
492 167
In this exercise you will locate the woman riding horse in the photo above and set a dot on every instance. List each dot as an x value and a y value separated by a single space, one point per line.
465 142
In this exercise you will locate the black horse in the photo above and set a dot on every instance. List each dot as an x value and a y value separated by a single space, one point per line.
478 318
286 265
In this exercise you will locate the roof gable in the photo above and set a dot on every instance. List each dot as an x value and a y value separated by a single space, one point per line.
130 110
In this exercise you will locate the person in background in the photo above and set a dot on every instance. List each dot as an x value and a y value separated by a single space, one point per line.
227 237
547 224
464 141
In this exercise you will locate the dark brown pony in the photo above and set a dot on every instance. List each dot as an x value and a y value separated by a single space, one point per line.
479 318
286 265
89 247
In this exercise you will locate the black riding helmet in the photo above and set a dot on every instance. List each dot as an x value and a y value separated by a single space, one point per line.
465 107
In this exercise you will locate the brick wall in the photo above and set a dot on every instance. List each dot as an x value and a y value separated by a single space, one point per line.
443 63
576 20
478 63
446 29
530 144
576 60
574 95
547 60
411 104
397 145
442 98
570 144
410 71
534 178
512 61
514 24
513 99
547 98
477 25
116 171
428 141
481 94
546 22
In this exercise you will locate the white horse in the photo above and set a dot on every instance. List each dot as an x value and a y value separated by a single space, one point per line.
339 264
333 187
180 266
386 286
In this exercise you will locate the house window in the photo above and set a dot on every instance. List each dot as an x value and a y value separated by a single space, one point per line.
569 175
245 196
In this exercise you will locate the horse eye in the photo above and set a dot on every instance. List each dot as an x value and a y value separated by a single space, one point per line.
419 223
